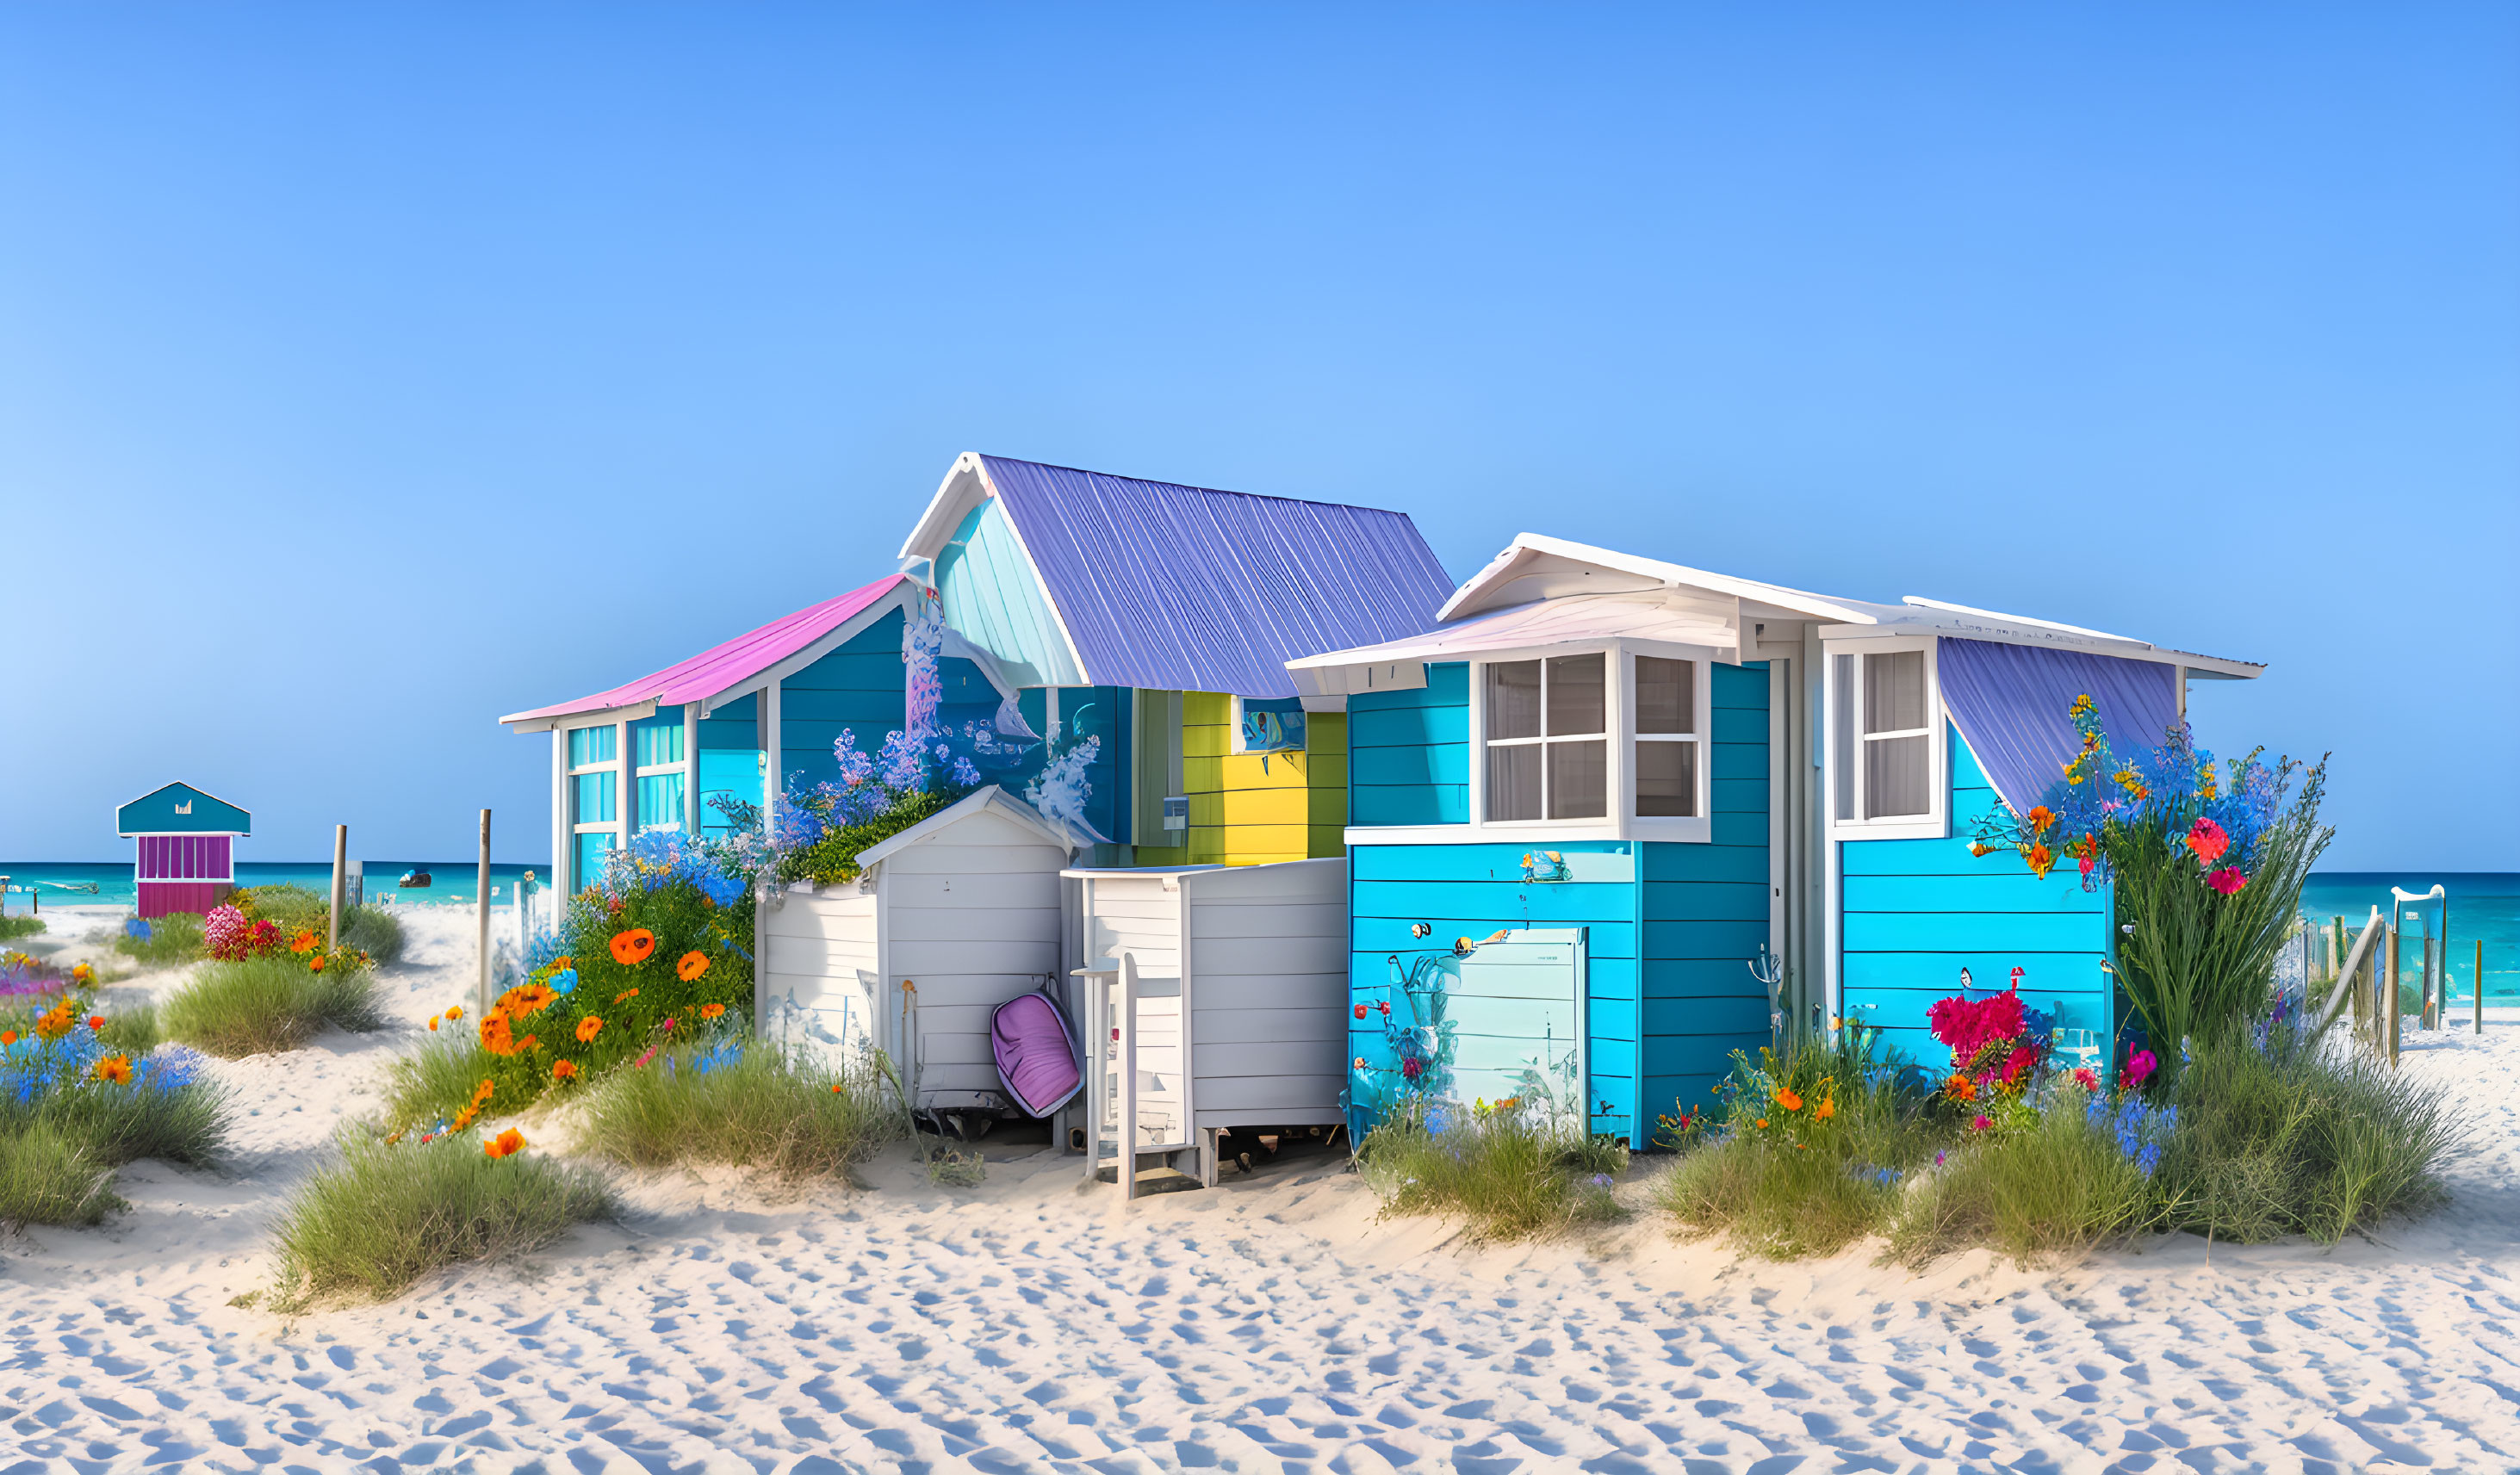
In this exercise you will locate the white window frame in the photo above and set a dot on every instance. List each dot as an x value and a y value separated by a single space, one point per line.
1933 824
678 822
1234 737
1622 822
625 794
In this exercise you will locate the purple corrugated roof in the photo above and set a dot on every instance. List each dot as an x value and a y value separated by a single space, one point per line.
2011 702
1184 589
722 667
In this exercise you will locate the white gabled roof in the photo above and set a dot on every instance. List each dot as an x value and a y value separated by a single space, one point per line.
1536 567
990 799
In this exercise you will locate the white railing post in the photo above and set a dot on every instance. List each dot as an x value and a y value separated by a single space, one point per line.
1128 1011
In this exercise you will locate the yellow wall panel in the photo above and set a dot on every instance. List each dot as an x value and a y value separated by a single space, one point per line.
1268 806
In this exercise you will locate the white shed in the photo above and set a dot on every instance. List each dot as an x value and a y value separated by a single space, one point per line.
1256 958
947 920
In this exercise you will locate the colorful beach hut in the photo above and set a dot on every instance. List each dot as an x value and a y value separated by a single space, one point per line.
1107 651
1615 817
186 842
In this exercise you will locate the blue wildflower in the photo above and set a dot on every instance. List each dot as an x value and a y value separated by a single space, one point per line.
565 982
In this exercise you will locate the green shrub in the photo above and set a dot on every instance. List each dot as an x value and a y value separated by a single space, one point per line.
46 1177
113 1125
131 1025
175 938
833 858
742 1104
1785 1182
22 925
2297 1138
260 1006
2057 1184
375 932
1504 1174
429 1084
390 1212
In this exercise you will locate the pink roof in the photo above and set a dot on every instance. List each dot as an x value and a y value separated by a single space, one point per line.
722 668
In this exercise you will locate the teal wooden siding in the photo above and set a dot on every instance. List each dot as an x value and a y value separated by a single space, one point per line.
1705 914
1671 928
994 598
1106 713
728 760
859 688
1409 752
1917 912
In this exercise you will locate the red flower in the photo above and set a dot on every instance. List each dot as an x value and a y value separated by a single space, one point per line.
1360 1012
2085 1077
2019 1062
1412 1069
96 1021
2138 1069
2207 839
1981 1122
2226 880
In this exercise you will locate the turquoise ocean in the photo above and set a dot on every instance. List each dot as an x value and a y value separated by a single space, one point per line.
60 883
2481 904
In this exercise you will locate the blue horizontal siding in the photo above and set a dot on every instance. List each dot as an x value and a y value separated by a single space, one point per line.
1409 759
1915 913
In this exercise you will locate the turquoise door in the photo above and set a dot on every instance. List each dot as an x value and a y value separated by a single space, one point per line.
1517 1015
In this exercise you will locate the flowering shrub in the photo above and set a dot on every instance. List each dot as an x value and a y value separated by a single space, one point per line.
66 1065
1998 1044
2207 867
233 937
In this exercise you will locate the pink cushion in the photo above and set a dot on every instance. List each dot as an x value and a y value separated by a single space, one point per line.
1035 1053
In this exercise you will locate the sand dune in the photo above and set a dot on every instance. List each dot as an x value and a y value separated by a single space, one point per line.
1275 1324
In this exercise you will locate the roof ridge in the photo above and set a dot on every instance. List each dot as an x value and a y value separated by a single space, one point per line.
1212 491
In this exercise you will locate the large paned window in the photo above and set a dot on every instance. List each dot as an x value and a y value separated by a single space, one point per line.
1547 738
595 799
1666 737
1882 738
657 753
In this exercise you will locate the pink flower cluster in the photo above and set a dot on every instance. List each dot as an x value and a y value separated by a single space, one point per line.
230 938
1966 1025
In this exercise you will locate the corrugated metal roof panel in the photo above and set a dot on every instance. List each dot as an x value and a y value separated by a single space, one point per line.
2011 702
1180 588
724 666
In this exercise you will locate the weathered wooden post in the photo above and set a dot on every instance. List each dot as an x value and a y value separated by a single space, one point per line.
340 867
2389 999
482 912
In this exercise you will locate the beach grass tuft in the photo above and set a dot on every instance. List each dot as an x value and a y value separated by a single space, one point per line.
47 1176
115 1124
2059 1188
370 1225
1785 1183
260 1006
22 925
741 1103
371 930
173 940
131 1026
2295 1135
1505 1174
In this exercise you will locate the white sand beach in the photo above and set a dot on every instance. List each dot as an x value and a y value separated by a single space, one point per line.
1275 1324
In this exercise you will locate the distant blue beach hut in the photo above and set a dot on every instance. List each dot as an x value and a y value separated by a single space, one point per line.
1607 801
186 842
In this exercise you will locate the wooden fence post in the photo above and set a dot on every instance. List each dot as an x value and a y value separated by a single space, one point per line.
2389 997
482 910
340 866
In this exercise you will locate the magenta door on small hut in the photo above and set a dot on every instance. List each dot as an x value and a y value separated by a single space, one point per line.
184 873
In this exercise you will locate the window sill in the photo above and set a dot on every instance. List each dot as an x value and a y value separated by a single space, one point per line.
1534 833
1933 827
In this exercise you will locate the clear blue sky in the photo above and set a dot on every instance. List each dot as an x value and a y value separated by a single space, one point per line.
369 370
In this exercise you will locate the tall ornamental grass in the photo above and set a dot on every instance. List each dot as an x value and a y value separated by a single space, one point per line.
1506 1172
2208 866
262 1006
22 925
2286 1134
740 1103
388 1213
1809 1150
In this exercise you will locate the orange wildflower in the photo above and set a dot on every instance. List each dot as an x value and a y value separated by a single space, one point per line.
711 1011
2042 859
562 963
315 965
95 1022
83 973
691 966
1763 1121
8 1037
114 1068
836 1087
563 1070
506 1143
631 949
1788 1100
457 1013
1960 1087
588 1028
1827 1108
484 1092
2038 818
303 942
463 1118
625 994
53 1022
433 1023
